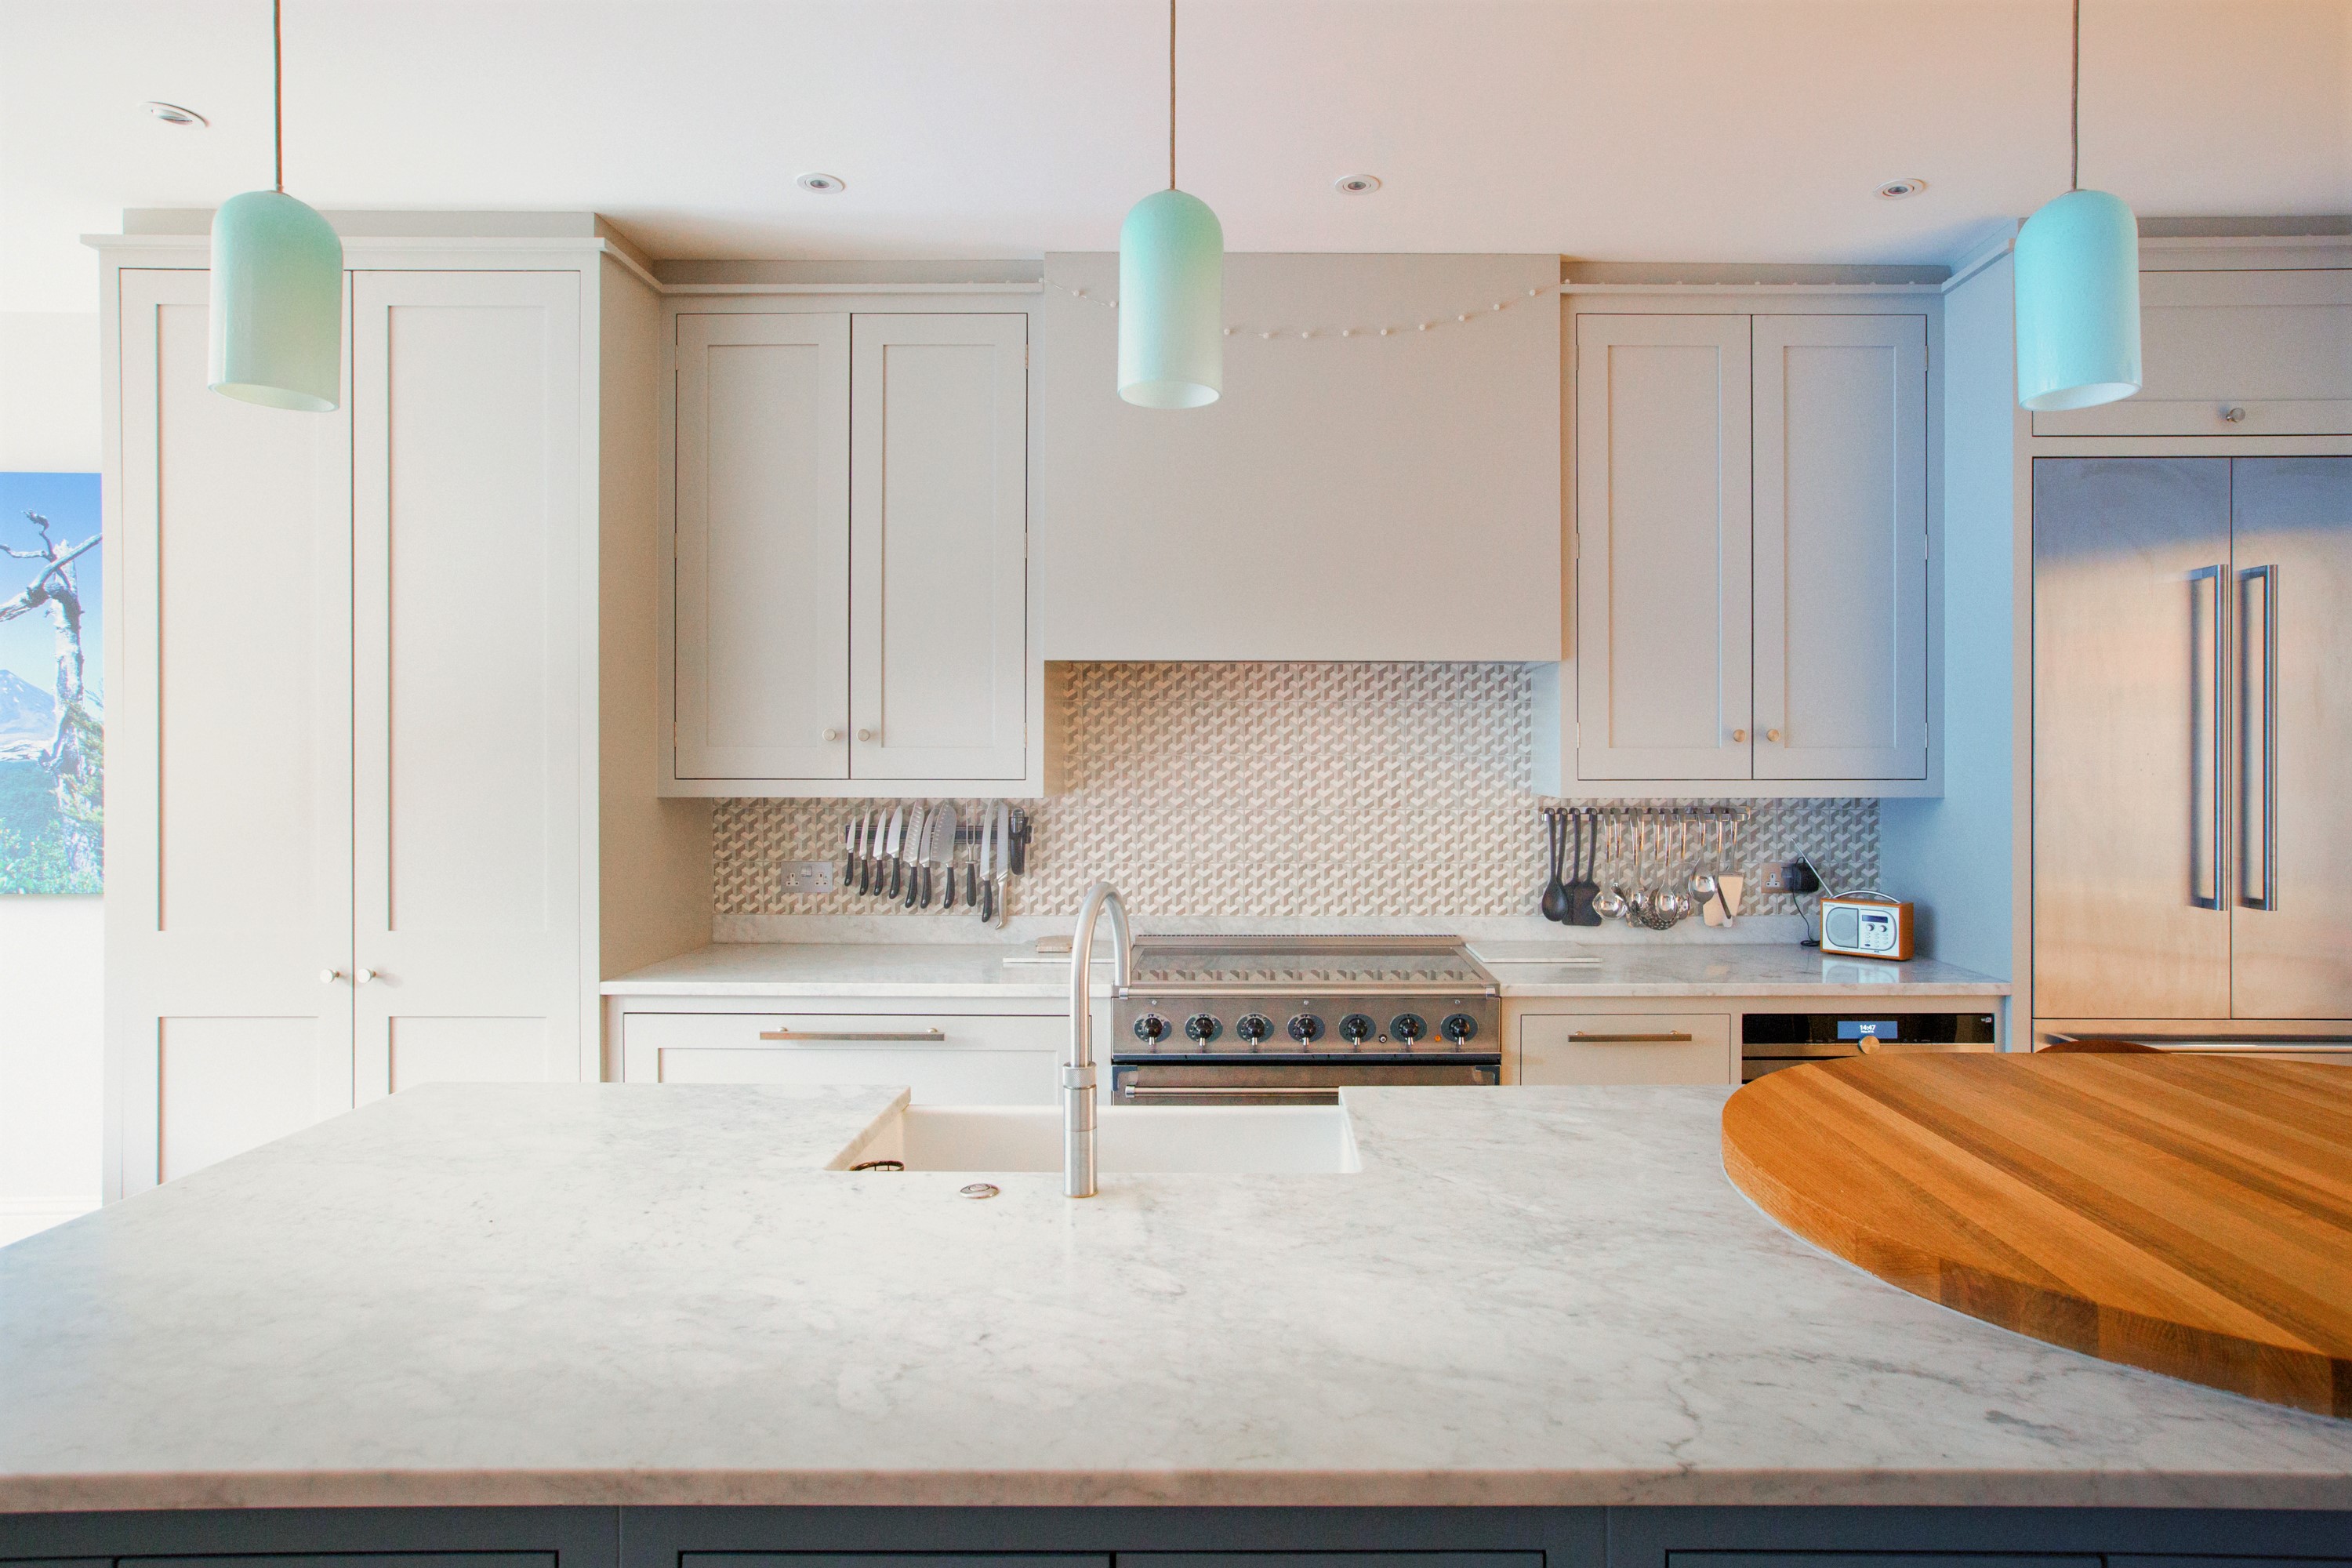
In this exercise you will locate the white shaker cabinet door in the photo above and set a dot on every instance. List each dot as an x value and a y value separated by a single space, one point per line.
472 619
228 912
1841 488
763 605
1663 540
939 553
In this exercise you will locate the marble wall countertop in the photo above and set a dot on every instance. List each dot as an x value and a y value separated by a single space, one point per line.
1007 970
620 1294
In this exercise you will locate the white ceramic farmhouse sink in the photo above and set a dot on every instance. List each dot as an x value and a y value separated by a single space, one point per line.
1132 1140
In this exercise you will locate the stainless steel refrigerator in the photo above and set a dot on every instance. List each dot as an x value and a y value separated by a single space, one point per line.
2192 754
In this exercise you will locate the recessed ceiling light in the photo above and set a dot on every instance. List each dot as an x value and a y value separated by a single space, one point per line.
823 185
1356 185
1896 190
174 114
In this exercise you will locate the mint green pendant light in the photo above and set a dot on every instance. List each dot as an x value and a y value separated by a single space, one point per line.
1171 289
278 285
2077 267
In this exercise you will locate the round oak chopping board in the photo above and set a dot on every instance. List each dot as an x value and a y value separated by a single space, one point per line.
2192 1215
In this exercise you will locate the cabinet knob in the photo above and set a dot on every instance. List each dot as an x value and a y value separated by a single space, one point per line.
1771 734
864 734
1739 734
365 975
2234 414
831 736
328 976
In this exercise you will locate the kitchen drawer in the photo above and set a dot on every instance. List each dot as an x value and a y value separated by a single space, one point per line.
1627 1048
1883 1560
894 1559
946 1058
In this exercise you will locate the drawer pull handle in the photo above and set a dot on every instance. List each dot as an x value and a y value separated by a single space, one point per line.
1629 1039
852 1035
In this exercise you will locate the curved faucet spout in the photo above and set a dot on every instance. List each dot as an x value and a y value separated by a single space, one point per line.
1078 1072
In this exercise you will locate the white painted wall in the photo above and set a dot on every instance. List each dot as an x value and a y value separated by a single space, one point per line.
52 951
1954 854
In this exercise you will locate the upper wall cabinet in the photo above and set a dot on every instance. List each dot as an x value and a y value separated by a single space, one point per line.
1380 479
850 593
2233 353
1751 569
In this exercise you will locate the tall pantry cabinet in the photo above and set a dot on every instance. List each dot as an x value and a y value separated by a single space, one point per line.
360 664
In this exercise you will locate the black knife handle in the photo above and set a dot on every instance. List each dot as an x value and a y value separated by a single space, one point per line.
972 886
864 880
988 900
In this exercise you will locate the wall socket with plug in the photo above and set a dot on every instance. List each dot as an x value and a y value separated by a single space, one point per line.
1791 876
807 877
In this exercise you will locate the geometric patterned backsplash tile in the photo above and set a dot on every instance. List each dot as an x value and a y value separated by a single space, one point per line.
1286 790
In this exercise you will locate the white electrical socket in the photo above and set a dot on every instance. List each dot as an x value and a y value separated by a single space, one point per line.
807 877
1775 879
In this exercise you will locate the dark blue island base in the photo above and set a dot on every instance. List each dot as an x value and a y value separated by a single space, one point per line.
650 1537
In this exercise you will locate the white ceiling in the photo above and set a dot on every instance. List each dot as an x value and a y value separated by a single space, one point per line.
1625 130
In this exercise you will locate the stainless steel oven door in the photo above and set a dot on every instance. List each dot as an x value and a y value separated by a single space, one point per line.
1181 1079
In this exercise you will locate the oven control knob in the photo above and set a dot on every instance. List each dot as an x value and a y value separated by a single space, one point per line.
1459 1027
1408 1027
1355 1028
1201 1028
1151 1029
1306 1028
1253 1027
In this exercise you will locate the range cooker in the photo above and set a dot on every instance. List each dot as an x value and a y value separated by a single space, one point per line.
1267 1019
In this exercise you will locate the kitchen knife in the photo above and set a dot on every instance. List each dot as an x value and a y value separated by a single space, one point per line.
865 851
1004 846
849 850
972 866
954 830
917 824
893 837
1020 842
987 898
943 841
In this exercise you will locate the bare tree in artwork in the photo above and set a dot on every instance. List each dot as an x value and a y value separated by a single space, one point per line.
76 755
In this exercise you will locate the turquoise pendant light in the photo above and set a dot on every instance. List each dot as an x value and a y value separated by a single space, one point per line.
1171 289
2077 267
277 289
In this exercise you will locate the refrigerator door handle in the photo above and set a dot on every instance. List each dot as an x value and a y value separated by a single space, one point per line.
2258 740
2205 830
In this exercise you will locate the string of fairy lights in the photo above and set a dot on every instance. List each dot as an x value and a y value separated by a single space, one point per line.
1408 327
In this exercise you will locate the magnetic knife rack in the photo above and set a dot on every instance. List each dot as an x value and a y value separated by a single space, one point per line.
1655 813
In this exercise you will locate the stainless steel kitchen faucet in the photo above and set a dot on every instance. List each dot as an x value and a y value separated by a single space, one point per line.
1078 1072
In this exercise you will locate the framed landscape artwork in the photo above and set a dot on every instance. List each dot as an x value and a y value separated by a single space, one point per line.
52 708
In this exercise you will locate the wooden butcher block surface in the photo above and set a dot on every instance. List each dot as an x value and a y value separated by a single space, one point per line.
2192 1215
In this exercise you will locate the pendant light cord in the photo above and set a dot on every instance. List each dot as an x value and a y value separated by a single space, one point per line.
2075 169
279 88
1171 91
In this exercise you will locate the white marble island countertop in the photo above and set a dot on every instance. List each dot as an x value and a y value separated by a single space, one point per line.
612 1294
1010 972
